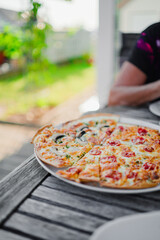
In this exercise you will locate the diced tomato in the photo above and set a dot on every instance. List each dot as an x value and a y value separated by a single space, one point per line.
73 170
95 152
128 154
121 128
157 142
132 175
149 166
138 140
108 159
149 149
142 131
109 132
112 158
93 140
113 174
114 143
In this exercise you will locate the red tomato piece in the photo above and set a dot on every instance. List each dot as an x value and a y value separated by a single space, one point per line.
95 152
132 175
121 128
149 166
114 143
142 131
138 140
113 174
128 154
108 159
109 132
149 149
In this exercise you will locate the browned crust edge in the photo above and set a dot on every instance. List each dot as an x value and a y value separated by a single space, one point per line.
39 131
91 115
140 185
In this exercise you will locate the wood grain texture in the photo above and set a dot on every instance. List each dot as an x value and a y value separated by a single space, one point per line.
60 215
41 229
18 184
5 235
139 202
80 203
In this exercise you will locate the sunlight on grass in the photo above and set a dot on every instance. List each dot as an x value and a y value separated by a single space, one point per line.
47 87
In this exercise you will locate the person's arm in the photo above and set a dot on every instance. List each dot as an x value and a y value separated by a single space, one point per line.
129 88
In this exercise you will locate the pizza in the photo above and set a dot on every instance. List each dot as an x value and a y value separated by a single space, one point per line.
98 149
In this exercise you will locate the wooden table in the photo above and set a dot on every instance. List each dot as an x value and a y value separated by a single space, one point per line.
35 205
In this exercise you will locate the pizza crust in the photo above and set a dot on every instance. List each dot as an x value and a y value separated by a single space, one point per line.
139 185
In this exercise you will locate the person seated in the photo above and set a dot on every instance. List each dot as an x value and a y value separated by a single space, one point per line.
138 81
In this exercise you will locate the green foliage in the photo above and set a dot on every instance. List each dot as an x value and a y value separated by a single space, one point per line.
34 34
11 43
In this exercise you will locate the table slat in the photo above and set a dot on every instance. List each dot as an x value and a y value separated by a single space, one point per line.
80 203
58 214
41 229
18 184
134 202
5 235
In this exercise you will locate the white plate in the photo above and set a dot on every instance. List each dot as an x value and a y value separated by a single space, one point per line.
143 226
155 108
52 170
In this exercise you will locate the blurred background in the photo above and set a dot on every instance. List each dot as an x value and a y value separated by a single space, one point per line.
49 69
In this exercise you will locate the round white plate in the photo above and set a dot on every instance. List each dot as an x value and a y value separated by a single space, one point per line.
143 226
155 108
52 170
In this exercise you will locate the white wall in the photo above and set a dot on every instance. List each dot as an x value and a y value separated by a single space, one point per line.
62 46
136 15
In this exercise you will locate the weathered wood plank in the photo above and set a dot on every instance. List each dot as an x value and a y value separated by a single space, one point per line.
136 202
18 184
58 214
80 203
5 235
43 230
3 173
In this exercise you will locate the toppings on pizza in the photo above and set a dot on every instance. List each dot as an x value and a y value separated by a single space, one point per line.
142 131
100 150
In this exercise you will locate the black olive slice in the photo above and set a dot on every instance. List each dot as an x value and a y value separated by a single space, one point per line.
81 134
84 128
58 137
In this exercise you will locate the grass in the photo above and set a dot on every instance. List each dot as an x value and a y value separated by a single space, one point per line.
46 86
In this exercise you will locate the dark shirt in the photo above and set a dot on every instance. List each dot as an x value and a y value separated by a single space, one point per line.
146 53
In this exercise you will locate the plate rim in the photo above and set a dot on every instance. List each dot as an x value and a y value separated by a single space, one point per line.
122 219
152 110
106 189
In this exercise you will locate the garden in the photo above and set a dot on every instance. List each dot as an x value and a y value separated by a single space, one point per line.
33 81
